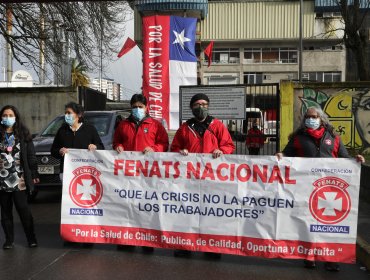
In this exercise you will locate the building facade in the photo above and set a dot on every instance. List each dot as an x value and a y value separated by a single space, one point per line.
256 42
108 86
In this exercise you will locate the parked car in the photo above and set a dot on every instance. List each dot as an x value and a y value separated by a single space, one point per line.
105 123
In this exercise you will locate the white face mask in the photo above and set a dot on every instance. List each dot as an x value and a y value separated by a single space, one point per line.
312 123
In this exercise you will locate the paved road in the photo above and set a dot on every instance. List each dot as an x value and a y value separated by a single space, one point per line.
53 260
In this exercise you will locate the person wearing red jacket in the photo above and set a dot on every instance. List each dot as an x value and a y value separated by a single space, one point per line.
139 132
201 134
255 139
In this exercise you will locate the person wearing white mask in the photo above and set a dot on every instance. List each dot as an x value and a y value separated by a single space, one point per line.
74 134
18 174
140 133
316 138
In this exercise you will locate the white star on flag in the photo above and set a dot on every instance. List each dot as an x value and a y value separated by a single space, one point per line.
86 189
330 204
180 38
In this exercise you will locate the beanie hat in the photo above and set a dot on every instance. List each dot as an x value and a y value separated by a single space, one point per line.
198 96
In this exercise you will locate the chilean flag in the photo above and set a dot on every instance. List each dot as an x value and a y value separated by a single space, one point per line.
169 61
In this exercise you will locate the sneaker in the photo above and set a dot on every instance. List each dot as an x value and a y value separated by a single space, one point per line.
127 248
309 264
332 266
32 243
182 254
148 250
212 256
8 245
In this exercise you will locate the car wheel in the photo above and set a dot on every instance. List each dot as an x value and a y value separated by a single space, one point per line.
31 197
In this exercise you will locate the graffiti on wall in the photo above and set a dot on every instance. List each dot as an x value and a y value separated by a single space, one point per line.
348 110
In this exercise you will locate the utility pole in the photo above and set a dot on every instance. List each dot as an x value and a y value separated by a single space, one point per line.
42 46
9 53
300 41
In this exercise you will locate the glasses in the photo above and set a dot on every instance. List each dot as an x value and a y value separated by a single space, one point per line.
311 117
197 105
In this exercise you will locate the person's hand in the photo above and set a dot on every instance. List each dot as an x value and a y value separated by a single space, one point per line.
63 151
360 158
91 147
279 155
119 149
148 150
184 152
36 180
217 153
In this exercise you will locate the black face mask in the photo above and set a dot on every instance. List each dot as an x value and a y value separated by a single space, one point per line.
200 113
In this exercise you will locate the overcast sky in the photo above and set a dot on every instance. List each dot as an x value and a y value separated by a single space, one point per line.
127 70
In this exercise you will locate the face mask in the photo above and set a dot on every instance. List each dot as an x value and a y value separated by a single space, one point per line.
312 123
138 113
200 113
8 121
69 119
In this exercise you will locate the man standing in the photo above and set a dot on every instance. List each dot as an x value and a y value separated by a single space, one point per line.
139 132
202 134
255 139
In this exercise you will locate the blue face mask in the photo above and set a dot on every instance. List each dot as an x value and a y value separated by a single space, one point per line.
69 119
8 121
312 123
138 113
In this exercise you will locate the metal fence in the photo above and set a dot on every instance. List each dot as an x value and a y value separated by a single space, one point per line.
262 108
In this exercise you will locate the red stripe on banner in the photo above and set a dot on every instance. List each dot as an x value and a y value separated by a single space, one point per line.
156 87
236 245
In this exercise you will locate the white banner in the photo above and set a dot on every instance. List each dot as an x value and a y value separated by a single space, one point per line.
244 205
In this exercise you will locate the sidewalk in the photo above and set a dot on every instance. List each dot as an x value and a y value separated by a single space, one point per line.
363 233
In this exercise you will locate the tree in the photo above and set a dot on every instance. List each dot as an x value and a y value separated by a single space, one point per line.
354 13
90 31
79 76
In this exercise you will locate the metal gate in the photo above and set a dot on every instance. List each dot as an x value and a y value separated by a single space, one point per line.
262 110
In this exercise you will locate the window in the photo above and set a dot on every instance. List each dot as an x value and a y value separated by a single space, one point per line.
322 76
270 55
251 78
224 56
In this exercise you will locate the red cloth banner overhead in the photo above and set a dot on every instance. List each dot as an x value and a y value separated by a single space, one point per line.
127 46
208 52
169 61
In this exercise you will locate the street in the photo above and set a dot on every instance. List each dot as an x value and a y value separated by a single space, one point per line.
55 260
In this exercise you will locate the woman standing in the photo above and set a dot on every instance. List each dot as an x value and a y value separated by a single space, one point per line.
18 171
315 138
74 134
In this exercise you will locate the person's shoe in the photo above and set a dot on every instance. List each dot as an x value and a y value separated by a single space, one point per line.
8 245
332 266
212 256
127 248
32 243
148 250
182 254
309 264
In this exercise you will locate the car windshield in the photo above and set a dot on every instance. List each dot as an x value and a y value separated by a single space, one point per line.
101 123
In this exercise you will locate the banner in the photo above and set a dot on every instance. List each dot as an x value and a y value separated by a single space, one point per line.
169 61
253 206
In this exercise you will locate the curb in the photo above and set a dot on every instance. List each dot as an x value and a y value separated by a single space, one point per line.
363 252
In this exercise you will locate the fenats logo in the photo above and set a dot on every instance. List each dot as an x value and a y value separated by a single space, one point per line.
330 204
85 188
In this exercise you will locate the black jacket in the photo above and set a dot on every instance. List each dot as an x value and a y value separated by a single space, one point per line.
80 139
303 145
29 163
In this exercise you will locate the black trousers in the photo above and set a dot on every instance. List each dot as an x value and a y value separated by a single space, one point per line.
254 151
19 198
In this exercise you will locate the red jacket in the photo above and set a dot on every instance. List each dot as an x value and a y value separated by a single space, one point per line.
135 138
255 138
215 137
